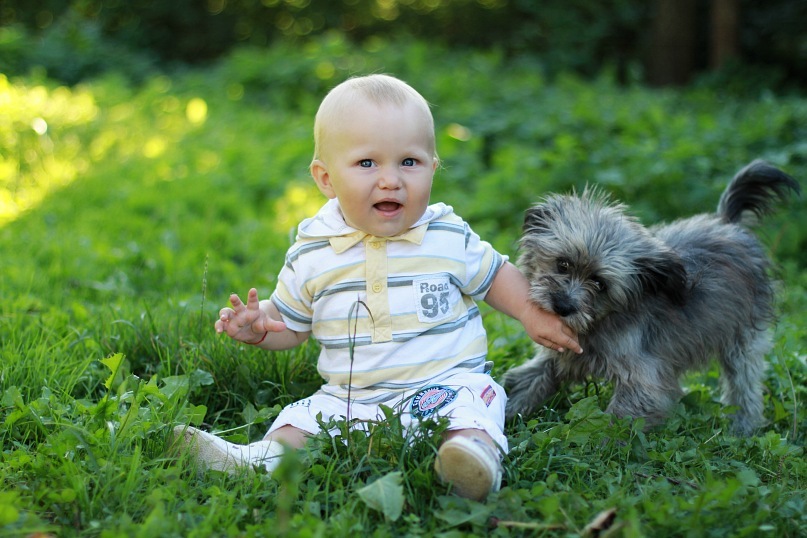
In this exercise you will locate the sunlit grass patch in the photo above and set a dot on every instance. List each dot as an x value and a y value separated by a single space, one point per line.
40 133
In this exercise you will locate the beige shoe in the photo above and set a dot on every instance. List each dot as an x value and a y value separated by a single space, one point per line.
471 466
211 452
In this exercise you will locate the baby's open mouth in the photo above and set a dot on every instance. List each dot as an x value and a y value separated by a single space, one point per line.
387 207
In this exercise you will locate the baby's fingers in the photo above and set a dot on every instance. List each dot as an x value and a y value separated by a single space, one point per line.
571 342
225 315
549 344
237 303
559 341
252 299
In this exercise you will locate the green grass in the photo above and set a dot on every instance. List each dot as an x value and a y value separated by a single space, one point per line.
130 219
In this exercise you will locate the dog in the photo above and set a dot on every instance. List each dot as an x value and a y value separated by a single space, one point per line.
649 304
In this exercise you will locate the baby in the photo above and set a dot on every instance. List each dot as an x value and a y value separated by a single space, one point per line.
387 284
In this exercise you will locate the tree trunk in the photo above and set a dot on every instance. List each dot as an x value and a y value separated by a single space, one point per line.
724 38
672 54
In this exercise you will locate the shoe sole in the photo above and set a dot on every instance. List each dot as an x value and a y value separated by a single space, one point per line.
464 469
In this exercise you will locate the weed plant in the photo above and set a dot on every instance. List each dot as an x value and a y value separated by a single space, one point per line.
130 213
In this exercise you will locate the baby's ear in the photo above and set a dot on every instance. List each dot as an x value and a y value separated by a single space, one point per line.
319 171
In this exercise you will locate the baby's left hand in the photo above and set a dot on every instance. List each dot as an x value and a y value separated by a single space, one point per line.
548 330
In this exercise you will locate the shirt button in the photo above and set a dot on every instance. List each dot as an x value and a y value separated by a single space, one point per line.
377 287
376 244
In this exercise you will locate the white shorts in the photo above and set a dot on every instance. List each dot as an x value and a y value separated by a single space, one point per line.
469 401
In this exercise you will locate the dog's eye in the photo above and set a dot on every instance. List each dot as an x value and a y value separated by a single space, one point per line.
563 266
598 283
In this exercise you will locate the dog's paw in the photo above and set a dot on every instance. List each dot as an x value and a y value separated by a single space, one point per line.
519 402
511 411
528 386
746 426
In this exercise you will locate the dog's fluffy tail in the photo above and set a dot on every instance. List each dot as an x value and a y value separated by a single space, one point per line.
754 190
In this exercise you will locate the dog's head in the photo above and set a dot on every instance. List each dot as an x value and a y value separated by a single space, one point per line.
586 258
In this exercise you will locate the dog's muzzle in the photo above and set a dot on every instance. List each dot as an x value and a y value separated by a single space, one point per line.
563 305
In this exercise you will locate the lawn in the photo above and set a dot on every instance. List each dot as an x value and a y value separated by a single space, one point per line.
128 214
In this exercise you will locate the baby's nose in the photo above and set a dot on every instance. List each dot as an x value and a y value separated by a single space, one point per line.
389 179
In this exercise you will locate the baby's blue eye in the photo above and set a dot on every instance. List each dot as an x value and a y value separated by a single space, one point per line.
409 161
366 163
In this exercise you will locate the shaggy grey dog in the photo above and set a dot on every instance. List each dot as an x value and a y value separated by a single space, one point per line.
650 304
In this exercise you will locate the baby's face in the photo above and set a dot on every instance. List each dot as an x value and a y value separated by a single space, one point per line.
379 162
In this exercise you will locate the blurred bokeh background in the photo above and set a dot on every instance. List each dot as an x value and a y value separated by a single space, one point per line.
655 41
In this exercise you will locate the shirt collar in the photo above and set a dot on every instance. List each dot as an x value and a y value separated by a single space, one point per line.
341 243
329 223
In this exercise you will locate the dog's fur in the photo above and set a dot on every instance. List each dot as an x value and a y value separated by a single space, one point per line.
650 304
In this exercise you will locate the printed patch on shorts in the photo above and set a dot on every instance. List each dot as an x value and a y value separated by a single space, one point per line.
426 402
432 298
488 395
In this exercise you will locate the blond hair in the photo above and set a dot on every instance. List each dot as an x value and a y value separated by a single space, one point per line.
378 89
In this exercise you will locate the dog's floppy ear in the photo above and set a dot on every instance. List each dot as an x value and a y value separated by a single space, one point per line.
536 219
664 273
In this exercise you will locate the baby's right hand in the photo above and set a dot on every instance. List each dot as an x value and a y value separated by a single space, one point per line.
246 323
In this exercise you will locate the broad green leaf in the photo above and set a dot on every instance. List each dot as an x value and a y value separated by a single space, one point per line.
249 413
113 363
457 511
201 378
385 495
8 514
12 397
174 383
196 413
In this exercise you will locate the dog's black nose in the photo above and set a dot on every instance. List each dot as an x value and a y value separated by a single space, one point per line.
562 305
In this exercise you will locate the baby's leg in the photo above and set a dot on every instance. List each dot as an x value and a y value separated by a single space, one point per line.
213 452
288 435
471 434
291 429
470 456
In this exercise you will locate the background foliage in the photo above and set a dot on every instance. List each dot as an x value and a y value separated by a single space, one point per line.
131 211
79 38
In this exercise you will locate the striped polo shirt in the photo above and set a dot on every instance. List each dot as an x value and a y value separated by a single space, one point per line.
402 307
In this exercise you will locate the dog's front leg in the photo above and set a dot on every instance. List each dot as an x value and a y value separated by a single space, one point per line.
530 384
